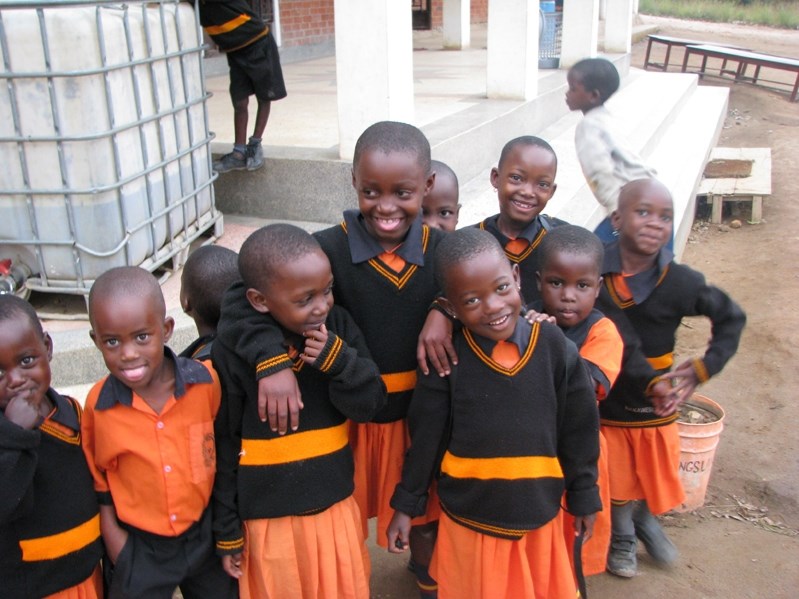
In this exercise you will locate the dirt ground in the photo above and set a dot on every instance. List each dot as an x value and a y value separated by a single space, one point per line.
744 543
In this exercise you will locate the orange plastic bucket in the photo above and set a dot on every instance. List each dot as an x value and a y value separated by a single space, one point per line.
698 442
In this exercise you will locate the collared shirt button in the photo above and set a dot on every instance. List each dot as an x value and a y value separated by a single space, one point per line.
167 468
173 517
160 425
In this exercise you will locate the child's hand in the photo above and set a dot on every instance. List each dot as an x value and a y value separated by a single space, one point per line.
584 525
663 398
687 381
532 317
280 401
114 536
231 564
22 412
398 532
314 344
435 344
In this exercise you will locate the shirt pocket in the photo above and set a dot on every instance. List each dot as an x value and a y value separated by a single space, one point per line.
203 451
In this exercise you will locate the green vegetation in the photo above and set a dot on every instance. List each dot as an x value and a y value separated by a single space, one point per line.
774 13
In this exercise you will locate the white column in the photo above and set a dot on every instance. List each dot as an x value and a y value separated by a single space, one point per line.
603 9
512 61
374 66
457 24
619 26
580 32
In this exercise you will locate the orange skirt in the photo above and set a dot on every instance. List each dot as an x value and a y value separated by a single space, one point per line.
470 565
91 588
644 464
322 556
595 550
378 451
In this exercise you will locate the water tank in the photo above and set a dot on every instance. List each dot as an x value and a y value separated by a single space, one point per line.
104 138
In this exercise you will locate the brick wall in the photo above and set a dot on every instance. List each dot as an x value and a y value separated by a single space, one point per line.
306 22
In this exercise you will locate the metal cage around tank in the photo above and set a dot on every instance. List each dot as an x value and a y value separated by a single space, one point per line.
104 139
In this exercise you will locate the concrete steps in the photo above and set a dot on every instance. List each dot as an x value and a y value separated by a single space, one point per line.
670 121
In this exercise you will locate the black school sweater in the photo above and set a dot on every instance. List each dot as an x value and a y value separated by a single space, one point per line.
261 474
231 23
677 291
544 409
389 308
528 258
46 490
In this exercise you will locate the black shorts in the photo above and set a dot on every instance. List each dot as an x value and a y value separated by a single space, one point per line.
255 69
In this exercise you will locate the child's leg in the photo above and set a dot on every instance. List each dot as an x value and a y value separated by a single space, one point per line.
648 529
622 558
422 541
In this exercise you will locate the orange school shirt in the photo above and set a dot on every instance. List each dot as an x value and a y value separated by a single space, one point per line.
157 470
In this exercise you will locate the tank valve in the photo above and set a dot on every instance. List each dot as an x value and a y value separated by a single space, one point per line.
12 277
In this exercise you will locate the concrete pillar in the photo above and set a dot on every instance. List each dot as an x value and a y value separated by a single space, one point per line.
374 66
457 24
580 32
512 61
603 9
619 26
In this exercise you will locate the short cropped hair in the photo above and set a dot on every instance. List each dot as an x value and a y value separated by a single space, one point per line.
127 281
632 189
269 248
208 272
392 136
13 307
442 169
598 74
570 239
525 140
459 247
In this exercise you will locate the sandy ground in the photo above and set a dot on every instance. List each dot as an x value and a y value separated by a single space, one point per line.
743 543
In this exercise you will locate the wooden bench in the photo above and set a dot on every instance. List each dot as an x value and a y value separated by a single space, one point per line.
744 58
671 42
739 189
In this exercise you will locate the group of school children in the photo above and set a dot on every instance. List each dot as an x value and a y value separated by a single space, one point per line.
501 398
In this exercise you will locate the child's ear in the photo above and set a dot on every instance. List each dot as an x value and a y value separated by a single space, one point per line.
615 219
257 300
169 327
93 336
595 97
352 172
48 344
538 279
428 184
494 178
599 286
554 189
517 278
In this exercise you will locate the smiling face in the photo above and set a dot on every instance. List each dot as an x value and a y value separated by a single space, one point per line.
440 207
483 293
644 218
390 188
130 332
25 355
569 284
525 182
299 294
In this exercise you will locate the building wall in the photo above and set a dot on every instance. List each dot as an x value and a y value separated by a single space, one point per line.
306 22
479 12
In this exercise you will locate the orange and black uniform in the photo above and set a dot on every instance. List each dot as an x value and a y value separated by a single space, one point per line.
650 306
647 308
390 308
200 348
231 23
523 249
262 474
49 523
513 439
157 470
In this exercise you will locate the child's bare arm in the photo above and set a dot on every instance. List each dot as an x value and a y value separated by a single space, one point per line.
435 344
398 532
280 400
114 536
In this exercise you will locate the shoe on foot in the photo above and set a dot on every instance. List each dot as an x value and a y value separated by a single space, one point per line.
255 157
652 535
235 161
622 559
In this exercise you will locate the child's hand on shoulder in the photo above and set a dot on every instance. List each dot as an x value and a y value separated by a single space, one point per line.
22 412
280 401
314 344
533 317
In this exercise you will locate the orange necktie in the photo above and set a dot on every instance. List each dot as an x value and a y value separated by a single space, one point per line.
394 262
517 246
505 353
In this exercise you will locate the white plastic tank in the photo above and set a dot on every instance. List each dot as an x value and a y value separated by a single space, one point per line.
104 138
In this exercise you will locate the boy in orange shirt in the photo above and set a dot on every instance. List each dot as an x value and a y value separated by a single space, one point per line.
148 436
